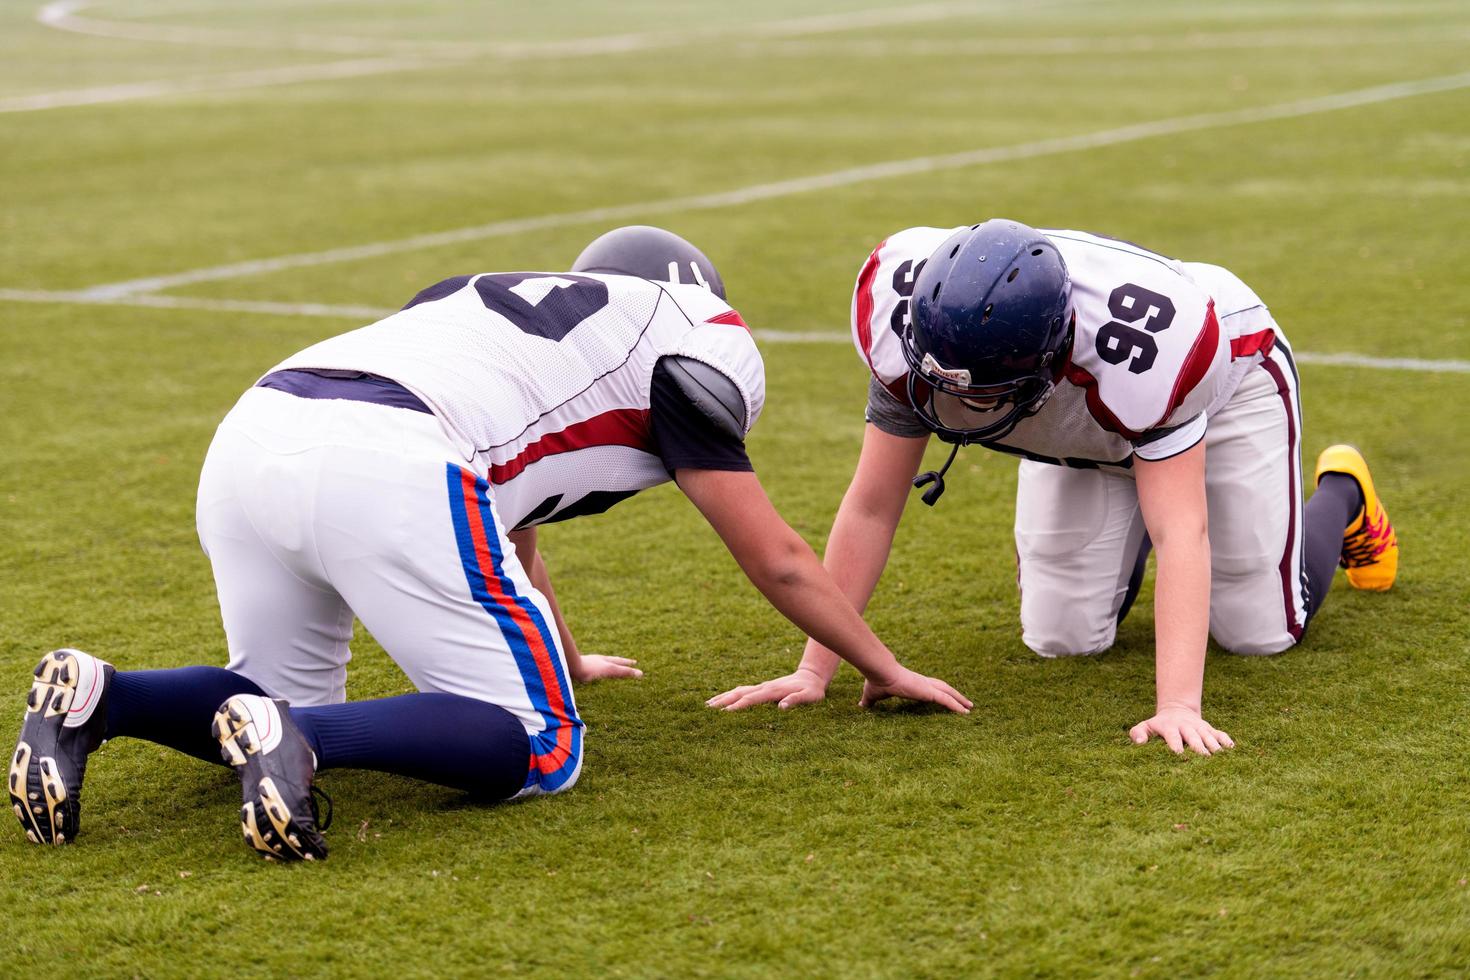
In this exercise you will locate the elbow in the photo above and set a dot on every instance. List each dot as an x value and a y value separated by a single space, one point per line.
1184 536
880 507
783 566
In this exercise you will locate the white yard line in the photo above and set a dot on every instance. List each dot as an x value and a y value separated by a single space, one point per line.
798 185
1447 366
363 313
1094 44
366 314
398 56
63 15
225 81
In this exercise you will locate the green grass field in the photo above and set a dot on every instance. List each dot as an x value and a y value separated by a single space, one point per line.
1028 838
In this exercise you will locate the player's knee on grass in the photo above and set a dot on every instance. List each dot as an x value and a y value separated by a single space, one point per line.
552 771
1058 626
1240 625
1077 538
1069 605
1248 633
1247 609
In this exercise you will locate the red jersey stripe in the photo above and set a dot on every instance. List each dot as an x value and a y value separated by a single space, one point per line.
1080 377
731 317
865 303
619 427
1196 363
1259 342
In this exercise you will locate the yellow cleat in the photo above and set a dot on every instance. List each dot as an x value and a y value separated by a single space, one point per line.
1370 549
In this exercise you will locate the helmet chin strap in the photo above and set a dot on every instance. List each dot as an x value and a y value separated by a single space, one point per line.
936 477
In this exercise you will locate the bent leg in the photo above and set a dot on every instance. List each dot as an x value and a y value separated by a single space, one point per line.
287 635
1079 536
288 630
1333 508
417 549
173 707
441 738
1253 481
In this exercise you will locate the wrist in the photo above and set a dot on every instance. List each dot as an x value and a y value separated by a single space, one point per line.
813 675
885 674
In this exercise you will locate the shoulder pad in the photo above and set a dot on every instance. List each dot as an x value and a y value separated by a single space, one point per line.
711 391
880 298
1148 346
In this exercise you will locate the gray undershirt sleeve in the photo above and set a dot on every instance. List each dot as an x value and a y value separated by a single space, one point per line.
891 415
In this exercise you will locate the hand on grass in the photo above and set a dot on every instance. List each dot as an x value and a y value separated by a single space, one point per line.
799 687
1179 727
915 687
595 666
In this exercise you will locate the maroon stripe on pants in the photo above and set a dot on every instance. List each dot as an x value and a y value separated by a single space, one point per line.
1288 572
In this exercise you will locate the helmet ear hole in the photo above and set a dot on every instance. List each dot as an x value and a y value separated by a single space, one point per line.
1013 275
1036 251
985 314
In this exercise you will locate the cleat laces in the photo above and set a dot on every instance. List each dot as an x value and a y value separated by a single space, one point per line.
1364 546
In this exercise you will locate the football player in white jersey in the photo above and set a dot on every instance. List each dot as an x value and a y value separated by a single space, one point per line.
1154 403
398 473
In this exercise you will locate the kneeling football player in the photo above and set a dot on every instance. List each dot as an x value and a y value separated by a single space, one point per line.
1154 403
398 473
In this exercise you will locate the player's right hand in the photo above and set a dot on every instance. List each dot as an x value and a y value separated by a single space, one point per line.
915 687
595 666
799 687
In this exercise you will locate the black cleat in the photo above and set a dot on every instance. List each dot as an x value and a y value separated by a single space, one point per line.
276 767
65 720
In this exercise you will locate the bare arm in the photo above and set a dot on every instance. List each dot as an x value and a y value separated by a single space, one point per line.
786 571
862 533
582 668
857 551
1171 493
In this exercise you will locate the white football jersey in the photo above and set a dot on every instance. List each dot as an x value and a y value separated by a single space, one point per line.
542 379
1153 356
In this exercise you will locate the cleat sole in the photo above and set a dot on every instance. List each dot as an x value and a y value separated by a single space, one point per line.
44 778
233 729
265 821
21 794
55 685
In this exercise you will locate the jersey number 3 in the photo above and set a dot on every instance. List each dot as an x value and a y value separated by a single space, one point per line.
1117 341
542 305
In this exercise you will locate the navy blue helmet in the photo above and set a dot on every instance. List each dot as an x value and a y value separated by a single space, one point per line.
650 253
991 324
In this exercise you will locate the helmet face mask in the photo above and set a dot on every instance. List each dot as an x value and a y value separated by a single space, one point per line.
972 413
990 331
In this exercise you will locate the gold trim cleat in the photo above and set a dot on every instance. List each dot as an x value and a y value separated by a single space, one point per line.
1370 548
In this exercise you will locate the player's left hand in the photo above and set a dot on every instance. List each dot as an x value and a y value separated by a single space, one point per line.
802 686
595 666
1179 727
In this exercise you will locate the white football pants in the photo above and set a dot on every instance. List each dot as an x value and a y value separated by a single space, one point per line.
1078 531
313 509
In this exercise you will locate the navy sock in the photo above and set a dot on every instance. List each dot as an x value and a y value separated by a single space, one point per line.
173 707
440 738
1334 506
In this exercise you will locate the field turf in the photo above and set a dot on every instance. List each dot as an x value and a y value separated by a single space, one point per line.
1028 838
